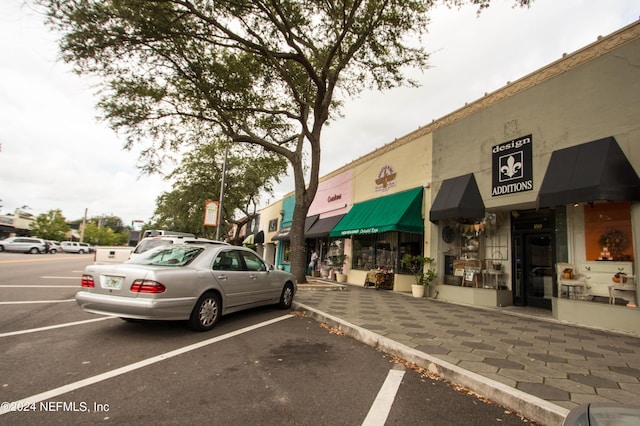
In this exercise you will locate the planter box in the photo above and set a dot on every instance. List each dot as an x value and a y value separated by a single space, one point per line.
489 297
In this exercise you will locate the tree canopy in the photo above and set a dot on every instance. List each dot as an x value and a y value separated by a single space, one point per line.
50 226
266 72
249 174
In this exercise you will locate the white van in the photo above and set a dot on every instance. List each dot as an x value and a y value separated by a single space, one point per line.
74 247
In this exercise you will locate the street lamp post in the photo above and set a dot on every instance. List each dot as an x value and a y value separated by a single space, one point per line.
222 183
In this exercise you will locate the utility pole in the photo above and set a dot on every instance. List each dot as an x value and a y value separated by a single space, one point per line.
84 222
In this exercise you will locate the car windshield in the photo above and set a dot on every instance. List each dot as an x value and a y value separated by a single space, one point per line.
168 256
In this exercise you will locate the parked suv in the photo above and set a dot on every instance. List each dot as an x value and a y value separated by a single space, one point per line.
74 247
23 244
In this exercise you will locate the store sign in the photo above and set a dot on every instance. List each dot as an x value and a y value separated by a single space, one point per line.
512 167
211 213
386 178
360 231
334 197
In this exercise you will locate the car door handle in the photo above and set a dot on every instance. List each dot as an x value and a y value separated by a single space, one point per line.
222 277
253 277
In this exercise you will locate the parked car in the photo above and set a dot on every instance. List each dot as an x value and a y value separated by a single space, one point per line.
23 244
74 247
197 283
54 246
602 413
151 242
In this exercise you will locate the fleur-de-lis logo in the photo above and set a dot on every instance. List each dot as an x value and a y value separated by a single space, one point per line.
512 167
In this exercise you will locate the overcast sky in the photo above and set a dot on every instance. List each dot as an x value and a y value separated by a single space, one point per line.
56 155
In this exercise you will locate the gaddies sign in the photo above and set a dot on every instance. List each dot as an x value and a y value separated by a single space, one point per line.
512 167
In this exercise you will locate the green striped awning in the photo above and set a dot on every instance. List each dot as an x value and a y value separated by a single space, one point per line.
396 212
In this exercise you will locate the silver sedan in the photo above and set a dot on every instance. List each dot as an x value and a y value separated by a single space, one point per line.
196 283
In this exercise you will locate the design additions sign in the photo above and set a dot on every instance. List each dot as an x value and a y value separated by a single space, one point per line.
512 167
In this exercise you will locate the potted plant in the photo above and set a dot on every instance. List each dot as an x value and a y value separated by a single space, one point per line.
337 263
423 278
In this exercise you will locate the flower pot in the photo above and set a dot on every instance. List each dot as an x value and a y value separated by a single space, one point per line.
341 278
417 290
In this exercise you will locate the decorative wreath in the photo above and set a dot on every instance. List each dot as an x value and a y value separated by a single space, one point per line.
616 241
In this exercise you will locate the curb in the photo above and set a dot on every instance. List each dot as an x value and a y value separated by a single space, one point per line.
532 407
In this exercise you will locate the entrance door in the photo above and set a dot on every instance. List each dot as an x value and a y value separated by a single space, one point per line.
533 260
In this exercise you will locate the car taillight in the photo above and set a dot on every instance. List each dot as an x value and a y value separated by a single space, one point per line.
87 281
147 286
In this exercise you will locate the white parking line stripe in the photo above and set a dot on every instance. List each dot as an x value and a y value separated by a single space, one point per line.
51 327
39 286
61 278
28 302
382 405
5 408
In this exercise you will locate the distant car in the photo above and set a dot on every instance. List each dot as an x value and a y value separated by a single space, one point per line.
197 283
54 246
23 244
74 247
151 242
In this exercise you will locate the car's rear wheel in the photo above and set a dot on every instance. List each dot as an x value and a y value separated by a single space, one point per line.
34 250
53 251
206 312
80 251
286 298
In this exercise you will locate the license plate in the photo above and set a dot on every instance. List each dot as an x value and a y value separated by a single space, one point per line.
112 282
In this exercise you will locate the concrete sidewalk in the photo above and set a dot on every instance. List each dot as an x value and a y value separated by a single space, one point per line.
519 358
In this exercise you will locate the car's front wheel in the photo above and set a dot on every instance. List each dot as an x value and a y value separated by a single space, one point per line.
286 298
206 312
53 251
34 250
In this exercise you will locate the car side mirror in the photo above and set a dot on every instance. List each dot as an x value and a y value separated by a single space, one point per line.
271 268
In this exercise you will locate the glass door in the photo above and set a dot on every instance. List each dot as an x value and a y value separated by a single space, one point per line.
533 274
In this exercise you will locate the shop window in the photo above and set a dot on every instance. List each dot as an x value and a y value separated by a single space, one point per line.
608 234
384 250
286 251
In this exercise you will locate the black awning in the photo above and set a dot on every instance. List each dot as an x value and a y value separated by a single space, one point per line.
458 198
284 233
592 171
323 226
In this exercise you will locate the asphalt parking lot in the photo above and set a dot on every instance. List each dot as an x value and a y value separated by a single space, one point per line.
264 366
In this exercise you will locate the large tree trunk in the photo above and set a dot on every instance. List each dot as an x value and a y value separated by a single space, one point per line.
298 249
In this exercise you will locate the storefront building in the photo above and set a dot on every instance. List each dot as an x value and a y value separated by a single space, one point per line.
514 189
270 218
388 215
540 177
332 202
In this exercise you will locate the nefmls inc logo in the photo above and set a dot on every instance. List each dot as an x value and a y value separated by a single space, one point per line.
512 166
